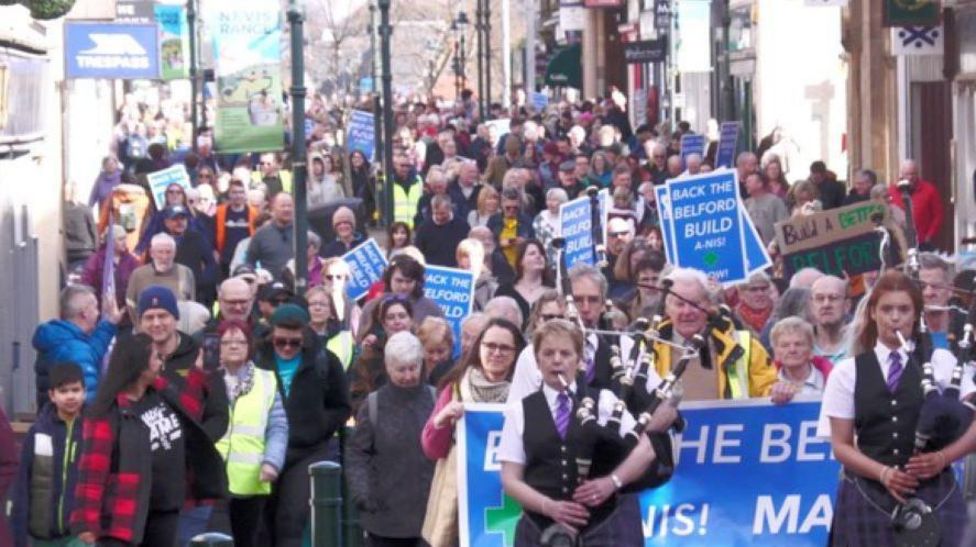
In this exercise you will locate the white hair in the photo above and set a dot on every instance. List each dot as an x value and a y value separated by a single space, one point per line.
403 348
161 238
505 307
689 275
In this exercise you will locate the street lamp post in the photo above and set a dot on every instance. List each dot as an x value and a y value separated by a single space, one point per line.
487 30
479 16
456 61
462 23
385 36
295 20
191 23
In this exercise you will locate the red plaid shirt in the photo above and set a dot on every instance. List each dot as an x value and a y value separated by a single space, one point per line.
114 503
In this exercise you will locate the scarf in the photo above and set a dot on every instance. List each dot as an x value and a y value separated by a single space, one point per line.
244 383
484 390
754 319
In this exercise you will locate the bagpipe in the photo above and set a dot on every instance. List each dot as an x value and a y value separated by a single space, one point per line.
943 416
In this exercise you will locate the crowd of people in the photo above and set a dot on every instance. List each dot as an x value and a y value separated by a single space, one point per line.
196 393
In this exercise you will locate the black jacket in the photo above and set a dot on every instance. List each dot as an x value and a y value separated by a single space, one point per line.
317 404
195 252
439 243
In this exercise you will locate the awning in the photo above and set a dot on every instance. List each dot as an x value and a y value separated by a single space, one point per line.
565 69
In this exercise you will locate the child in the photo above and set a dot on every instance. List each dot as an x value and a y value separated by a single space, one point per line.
44 494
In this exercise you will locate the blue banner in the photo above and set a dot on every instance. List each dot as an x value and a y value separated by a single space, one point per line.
539 101
576 227
692 143
707 227
366 265
663 202
757 258
748 473
453 291
362 133
728 139
111 51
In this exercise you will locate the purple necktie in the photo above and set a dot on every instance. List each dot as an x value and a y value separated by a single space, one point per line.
894 373
563 411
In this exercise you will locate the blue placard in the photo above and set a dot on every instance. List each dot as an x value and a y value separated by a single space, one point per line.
539 101
728 139
706 225
576 227
362 133
309 126
748 473
757 259
663 202
365 85
366 266
692 143
453 291
111 51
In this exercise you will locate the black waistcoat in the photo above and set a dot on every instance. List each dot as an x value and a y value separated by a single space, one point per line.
885 422
550 461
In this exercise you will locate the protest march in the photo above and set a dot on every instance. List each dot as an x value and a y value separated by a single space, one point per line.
357 312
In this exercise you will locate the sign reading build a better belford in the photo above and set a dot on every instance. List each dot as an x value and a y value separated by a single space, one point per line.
842 240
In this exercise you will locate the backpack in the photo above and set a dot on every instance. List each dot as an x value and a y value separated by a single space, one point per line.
372 403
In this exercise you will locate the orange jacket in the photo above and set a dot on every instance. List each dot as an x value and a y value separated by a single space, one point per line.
252 215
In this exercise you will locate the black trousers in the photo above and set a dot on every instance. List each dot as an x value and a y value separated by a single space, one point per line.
245 519
287 509
161 528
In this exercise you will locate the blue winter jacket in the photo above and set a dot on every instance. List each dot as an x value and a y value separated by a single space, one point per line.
59 341
44 493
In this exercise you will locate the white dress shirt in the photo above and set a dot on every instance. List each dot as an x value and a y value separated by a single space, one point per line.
511 448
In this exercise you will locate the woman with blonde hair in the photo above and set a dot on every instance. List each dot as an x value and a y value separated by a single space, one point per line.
488 204
471 256
438 341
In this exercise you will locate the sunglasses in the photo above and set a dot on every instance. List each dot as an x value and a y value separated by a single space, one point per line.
282 343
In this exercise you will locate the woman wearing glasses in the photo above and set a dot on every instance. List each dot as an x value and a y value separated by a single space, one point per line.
393 314
315 396
257 437
482 376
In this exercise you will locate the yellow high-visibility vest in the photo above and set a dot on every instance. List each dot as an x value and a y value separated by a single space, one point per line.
242 446
405 202
739 371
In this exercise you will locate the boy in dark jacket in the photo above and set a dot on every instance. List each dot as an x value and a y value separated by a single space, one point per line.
44 494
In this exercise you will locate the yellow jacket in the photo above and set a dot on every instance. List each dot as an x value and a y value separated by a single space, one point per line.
733 351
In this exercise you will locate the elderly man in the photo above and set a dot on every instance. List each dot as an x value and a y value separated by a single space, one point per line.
236 303
193 250
161 270
745 164
568 181
439 238
273 244
693 164
656 168
78 336
437 185
936 277
830 306
733 366
465 189
927 209
504 307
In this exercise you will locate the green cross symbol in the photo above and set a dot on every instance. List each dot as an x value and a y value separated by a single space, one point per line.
502 520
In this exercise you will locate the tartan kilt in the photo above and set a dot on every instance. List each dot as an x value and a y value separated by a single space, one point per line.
859 522
621 528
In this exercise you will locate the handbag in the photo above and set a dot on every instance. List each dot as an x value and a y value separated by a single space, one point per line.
441 521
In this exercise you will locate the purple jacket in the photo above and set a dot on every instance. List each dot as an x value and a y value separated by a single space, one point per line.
91 274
